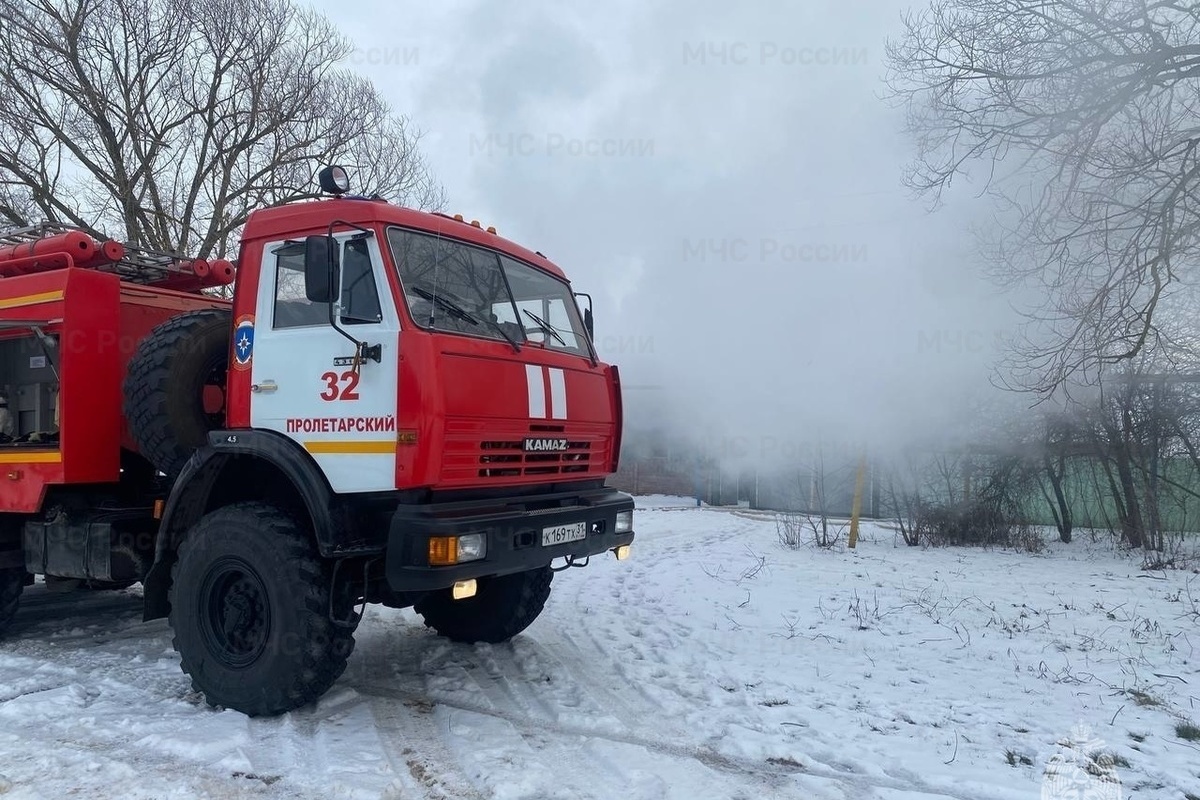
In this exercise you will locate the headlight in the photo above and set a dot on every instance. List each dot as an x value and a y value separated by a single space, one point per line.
624 521
472 547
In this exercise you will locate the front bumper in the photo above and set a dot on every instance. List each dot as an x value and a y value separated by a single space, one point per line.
513 530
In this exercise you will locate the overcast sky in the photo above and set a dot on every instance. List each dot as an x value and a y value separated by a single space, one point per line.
726 180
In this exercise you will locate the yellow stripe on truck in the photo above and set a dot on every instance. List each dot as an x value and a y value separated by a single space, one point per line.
31 299
31 457
353 447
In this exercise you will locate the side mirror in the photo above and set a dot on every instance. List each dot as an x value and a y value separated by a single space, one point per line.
321 269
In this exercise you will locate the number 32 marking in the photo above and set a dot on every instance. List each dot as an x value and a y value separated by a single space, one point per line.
340 387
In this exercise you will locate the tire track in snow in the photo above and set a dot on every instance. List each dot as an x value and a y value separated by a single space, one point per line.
598 655
525 676
543 736
548 750
424 766
601 678
431 678
532 704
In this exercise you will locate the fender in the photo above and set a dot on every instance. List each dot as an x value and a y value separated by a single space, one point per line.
190 499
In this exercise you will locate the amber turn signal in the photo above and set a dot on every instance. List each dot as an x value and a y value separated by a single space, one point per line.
443 551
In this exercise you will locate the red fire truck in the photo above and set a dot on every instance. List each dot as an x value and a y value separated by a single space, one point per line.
397 407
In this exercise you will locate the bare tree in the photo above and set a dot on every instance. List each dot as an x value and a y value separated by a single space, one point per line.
169 121
1082 116
1050 454
904 506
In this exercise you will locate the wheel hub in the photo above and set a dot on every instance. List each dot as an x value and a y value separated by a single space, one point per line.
237 615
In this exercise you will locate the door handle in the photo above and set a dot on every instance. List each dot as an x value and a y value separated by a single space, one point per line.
266 387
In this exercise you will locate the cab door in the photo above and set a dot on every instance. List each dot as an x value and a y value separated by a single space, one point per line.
305 383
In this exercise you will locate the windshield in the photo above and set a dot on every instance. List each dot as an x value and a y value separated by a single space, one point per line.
459 288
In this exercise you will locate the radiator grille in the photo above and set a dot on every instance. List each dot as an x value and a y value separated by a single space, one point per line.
480 451
509 459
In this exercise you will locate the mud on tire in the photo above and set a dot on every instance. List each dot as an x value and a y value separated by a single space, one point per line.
502 607
175 366
250 612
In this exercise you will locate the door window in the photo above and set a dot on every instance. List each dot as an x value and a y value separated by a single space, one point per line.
292 308
359 298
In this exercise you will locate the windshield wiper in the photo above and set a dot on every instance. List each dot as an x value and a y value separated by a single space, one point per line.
545 326
463 314
451 306
500 329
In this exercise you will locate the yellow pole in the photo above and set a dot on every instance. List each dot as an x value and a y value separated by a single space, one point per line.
858 492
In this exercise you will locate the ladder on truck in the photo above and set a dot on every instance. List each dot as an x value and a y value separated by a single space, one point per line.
53 245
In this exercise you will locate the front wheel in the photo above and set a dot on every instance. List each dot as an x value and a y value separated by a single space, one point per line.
502 607
250 611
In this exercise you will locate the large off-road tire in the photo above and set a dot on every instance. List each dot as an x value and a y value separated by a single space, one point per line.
250 612
12 583
175 387
501 608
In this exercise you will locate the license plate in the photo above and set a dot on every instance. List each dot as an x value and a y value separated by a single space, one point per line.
561 534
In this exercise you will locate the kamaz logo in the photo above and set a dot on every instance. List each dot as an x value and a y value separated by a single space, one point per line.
545 445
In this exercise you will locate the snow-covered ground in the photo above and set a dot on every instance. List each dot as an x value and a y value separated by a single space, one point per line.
715 663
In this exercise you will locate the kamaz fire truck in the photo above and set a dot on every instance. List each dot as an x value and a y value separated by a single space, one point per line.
396 407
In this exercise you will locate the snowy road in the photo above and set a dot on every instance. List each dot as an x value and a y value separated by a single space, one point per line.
714 664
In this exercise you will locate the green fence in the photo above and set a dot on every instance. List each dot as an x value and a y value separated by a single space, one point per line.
1086 486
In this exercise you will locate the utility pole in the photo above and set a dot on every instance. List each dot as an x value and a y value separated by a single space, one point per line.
858 492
